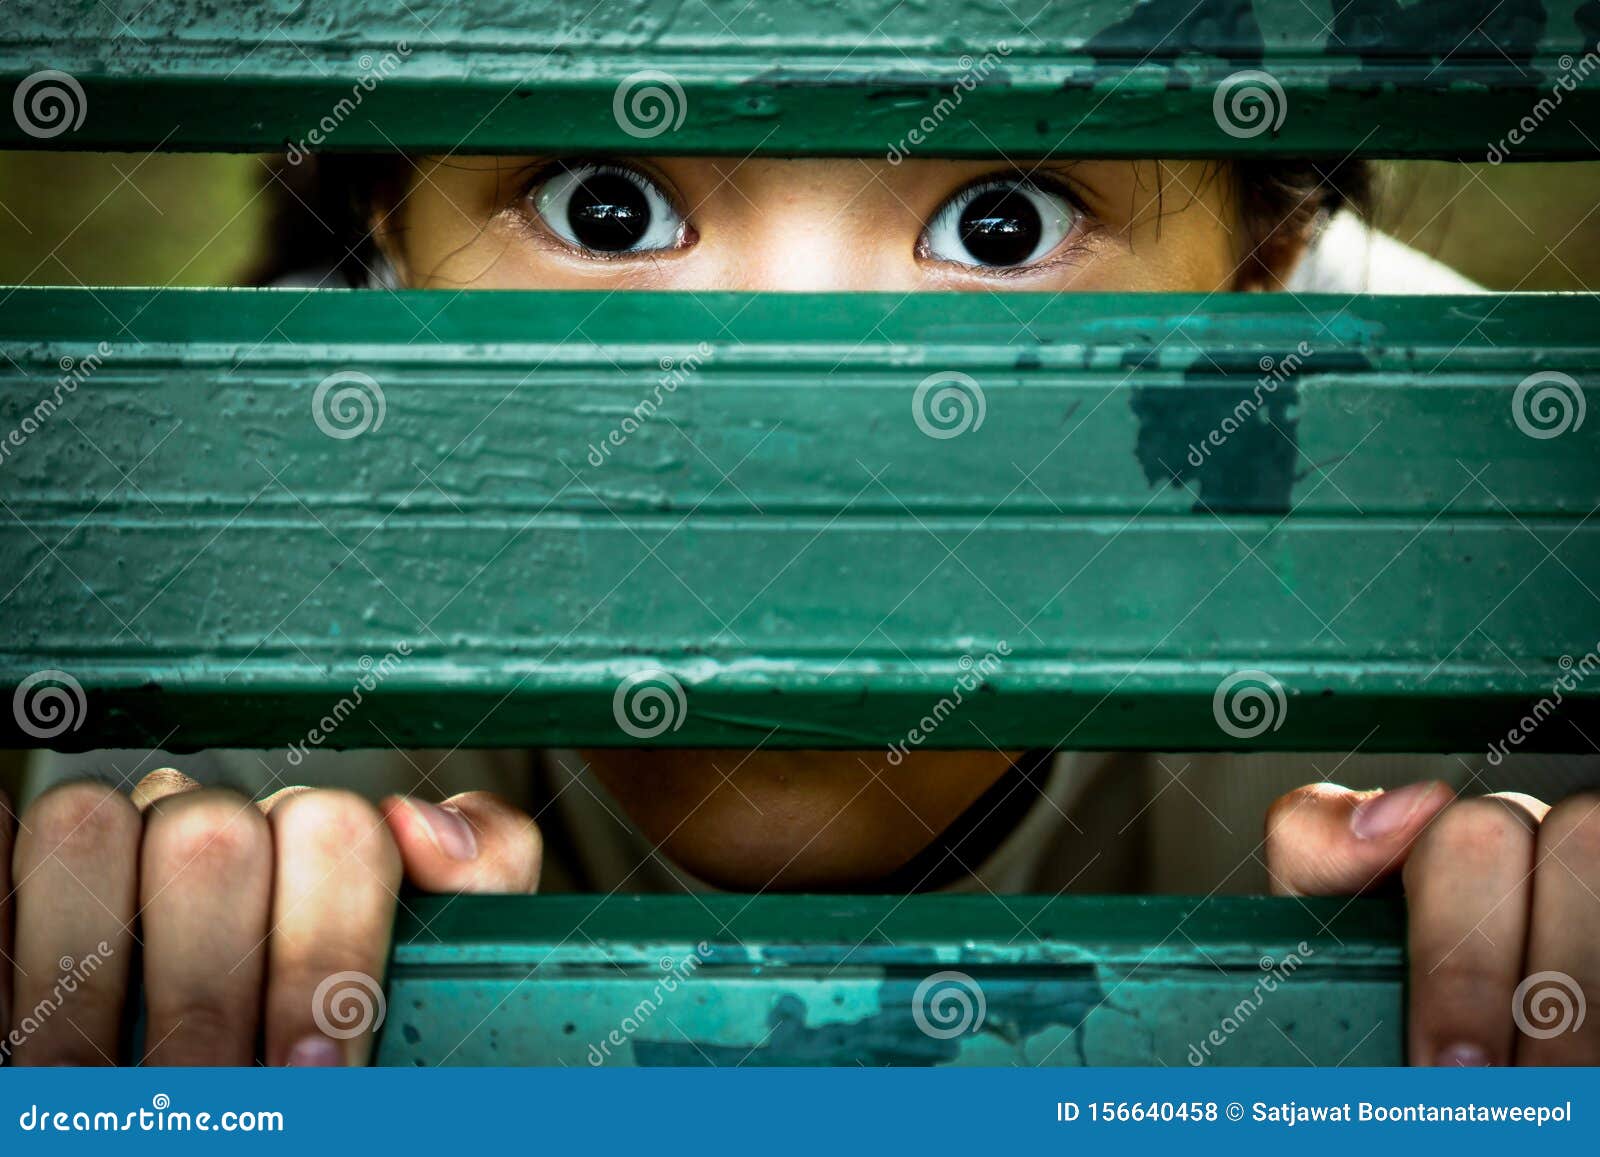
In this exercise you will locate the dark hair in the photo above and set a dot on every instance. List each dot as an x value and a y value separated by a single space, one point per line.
321 224
1283 202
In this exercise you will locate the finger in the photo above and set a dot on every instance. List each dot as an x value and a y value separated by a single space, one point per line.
475 842
206 893
1326 840
1559 1002
159 785
1468 886
332 910
280 796
76 869
8 827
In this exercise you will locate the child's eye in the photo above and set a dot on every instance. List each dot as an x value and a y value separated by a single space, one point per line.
607 210
1000 223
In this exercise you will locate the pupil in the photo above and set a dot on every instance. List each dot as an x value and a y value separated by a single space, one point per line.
608 213
1001 227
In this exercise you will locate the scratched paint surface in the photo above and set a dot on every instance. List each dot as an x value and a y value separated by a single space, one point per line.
842 980
782 536
1092 77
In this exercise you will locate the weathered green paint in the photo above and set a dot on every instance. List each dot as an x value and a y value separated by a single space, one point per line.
781 536
1091 77
807 980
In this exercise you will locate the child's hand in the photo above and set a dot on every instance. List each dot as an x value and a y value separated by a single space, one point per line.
243 909
1499 888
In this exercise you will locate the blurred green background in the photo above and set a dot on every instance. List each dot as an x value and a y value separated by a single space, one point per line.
174 219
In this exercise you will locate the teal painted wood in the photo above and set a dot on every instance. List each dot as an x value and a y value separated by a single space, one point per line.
780 537
923 980
1449 78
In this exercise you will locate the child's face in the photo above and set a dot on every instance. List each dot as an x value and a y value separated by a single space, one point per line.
765 819
701 223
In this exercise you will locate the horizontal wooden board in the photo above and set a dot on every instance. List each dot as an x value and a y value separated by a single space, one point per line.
1121 504
924 980
1449 78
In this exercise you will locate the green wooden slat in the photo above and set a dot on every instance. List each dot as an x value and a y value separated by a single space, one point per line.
801 980
1447 78
1381 536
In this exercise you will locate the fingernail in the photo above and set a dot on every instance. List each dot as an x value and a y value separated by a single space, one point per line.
1462 1056
1384 815
315 1052
448 828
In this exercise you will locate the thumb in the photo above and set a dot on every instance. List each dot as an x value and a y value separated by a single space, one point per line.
1326 840
473 842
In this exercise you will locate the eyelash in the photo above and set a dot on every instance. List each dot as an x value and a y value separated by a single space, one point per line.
1069 253
533 225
